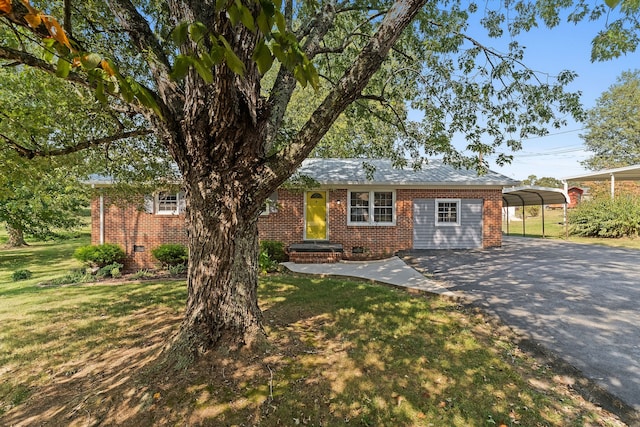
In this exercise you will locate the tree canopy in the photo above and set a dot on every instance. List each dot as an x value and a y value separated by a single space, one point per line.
545 181
613 125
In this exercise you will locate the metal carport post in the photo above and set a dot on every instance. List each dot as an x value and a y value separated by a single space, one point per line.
529 196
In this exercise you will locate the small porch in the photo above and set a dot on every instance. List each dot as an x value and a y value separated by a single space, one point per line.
315 252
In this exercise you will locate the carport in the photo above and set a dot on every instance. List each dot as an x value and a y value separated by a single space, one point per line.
627 173
532 196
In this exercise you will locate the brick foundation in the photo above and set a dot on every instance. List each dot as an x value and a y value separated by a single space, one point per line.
314 257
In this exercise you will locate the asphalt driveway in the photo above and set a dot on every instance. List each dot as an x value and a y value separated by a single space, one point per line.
579 301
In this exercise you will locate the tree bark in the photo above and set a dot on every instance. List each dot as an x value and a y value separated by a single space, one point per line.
222 306
222 149
16 237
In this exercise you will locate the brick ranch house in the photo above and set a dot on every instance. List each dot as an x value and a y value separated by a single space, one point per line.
351 214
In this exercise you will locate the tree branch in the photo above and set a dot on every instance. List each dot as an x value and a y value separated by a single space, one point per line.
349 87
30 153
399 123
143 37
67 17
31 61
285 82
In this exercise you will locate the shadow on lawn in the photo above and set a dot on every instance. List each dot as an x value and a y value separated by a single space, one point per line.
48 258
338 352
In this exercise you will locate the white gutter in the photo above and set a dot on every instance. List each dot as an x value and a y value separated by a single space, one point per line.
101 219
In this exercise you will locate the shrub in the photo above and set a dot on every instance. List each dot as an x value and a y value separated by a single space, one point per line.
266 264
171 254
111 270
176 270
74 276
606 217
271 254
141 274
99 255
21 275
274 249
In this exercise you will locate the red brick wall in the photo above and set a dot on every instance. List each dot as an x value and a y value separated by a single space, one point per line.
130 225
378 241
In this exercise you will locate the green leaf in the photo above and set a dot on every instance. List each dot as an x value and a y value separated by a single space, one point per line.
100 96
300 75
203 71
281 22
181 67
217 53
612 3
179 33
278 52
263 58
264 24
234 14
197 31
125 88
221 4
268 7
90 61
246 17
206 59
146 99
233 62
314 78
112 85
48 51
63 68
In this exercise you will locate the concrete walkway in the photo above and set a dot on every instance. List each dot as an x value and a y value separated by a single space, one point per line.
392 271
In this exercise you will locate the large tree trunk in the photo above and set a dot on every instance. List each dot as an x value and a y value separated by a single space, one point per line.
16 237
221 135
222 306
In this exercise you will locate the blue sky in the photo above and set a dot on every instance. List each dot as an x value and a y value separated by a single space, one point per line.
567 47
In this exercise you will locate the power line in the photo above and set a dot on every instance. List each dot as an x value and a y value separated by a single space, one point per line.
553 134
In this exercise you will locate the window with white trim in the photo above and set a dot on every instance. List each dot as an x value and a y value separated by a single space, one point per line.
271 205
167 203
447 212
371 208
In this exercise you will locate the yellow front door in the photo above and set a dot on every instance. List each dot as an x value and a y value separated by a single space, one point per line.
316 215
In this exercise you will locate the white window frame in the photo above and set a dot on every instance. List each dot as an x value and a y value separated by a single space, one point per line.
371 207
458 203
270 205
175 211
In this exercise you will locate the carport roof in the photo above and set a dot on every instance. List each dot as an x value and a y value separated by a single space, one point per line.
627 173
527 196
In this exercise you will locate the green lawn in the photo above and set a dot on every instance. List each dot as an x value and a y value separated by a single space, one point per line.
340 352
532 226
554 228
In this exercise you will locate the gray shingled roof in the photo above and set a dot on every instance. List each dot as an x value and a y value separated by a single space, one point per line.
434 172
352 172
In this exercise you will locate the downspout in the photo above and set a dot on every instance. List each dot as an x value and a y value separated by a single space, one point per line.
564 209
101 219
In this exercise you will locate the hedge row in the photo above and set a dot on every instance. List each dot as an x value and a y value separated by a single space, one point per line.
606 217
